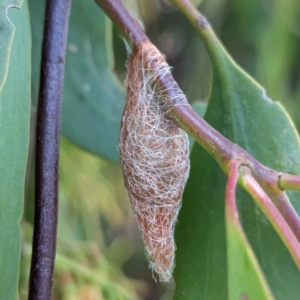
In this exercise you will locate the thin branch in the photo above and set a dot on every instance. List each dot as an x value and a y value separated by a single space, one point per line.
47 148
289 182
272 213
287 210
266 177
202 26
219 147
210 139
127 25
231 208
234 228
193 15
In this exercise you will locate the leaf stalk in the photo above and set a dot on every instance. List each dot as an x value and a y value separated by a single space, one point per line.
272 213
237 240
289 182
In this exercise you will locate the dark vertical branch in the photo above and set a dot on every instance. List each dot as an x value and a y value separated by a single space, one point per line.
47 148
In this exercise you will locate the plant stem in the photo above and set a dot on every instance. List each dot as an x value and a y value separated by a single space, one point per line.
235 232
272 213
231 208
127 25
233 175
289 182
191 12
266 177
287 210
47 148
219 147
203 27
210 139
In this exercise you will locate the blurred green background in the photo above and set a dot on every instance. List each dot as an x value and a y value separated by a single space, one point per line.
100 253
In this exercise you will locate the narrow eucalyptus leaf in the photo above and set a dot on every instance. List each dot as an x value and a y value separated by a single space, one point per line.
15 68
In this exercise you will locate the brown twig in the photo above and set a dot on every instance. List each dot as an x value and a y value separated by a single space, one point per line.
127 25
272 181
47 148
219 147
210 139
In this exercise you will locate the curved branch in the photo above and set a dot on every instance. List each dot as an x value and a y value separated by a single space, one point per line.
219 147
127 25
210 139
272 213
272 181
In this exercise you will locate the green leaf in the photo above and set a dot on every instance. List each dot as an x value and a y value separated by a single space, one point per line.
15 68
93 98
275 68
240 109
245 278
7 35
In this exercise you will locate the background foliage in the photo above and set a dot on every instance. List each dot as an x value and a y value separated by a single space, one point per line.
14 138
95 222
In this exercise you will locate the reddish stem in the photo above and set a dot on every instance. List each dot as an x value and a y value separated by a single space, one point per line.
126 24
287 210
233 226
233 175
219 147
184 115
266 177
289 182
272 213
